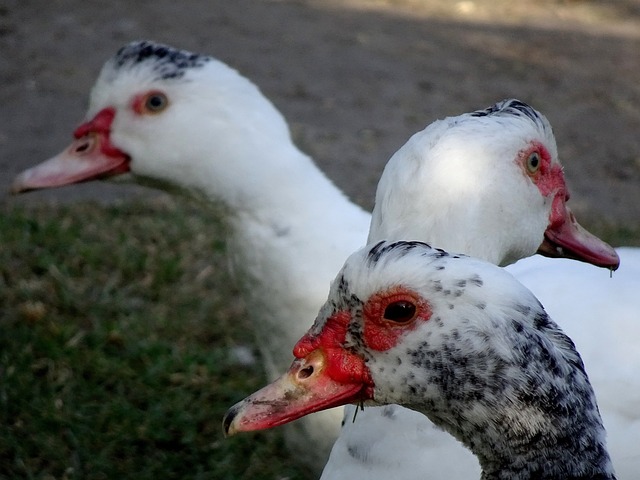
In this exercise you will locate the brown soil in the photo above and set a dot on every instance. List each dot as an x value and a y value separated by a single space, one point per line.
355 78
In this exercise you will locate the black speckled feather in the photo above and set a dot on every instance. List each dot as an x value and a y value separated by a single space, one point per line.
513 107
168 62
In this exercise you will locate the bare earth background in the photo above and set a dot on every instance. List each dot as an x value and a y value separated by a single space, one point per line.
355 78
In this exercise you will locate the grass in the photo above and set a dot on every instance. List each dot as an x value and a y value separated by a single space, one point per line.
118 327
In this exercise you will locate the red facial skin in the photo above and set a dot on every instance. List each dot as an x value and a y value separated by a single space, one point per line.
339 364
564 236
327 372
380 333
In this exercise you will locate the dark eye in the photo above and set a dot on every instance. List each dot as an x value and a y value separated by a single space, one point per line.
533 162
156 102
400 312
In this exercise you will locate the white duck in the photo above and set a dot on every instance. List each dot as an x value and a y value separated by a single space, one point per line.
457 339
140 120
184 120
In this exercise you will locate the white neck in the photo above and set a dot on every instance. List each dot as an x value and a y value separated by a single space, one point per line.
292 225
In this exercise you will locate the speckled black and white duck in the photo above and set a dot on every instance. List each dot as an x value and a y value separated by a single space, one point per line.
457 339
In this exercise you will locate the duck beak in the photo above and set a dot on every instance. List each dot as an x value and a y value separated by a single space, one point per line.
90 156
306 388
566 238
81 161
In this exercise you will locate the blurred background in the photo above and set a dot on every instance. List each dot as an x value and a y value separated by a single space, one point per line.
355 78
122 343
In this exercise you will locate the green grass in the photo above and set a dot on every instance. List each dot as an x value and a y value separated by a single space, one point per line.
116 326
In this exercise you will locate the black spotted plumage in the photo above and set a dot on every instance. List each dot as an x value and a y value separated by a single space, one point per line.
401 248
167 62
516 108
510 106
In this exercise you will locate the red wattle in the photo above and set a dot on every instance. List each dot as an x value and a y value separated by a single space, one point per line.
101 123
341 365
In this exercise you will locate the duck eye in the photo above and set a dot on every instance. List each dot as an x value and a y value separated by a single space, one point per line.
400 312
156 102
533 162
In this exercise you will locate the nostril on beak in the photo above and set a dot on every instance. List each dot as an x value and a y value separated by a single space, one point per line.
306 372
83 147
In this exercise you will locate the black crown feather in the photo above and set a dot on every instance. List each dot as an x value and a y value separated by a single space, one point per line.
168 62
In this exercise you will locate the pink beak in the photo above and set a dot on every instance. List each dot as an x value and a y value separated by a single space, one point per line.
90 156
566 238
306 388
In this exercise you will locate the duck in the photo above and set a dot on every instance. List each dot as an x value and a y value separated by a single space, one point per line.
456 339
139 126
177 120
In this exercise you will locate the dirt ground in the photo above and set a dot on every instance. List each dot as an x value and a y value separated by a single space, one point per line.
355 78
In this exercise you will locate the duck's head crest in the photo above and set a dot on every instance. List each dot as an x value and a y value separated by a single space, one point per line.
167 62
513 106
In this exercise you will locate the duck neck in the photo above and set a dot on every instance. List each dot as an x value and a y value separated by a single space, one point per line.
528 411
295 188
550 435
288 228
564 461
